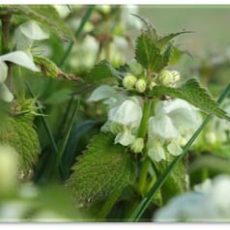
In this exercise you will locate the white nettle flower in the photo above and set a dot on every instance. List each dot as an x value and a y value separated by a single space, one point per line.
27 33
173 123
108 95
19 58
191 206
128 114
210 202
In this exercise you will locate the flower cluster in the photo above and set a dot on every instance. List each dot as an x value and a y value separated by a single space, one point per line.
209 202
170 124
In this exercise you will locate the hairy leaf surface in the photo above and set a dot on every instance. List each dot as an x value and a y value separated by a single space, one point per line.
103 168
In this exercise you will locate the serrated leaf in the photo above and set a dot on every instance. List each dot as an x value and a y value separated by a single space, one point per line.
164 60
147 53
46 15
101 72
103 168
166 39
192 92
175 55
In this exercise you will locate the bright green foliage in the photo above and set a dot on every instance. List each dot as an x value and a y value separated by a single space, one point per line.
154 52
192 92
48 67
20 134
176 182
46 15
102 72
103 168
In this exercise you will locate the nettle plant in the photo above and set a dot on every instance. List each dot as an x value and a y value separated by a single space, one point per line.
151 115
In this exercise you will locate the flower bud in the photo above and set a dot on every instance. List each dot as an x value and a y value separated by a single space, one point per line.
169 78
176 75
129 81
8 169
138 145
166 77
141 85
135 67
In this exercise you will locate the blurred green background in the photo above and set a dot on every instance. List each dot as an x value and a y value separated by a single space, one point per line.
209 23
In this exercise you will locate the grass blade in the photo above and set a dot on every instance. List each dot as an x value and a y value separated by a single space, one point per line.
85 18
44 122
146 201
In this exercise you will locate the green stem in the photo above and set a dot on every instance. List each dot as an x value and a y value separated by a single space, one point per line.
5 32
144 122
143 176
85 18
107 207
5 19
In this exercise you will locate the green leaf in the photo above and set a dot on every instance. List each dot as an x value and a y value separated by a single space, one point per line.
103 168
192 92
101 72
176 182
147 53
21 135
47 16
166 39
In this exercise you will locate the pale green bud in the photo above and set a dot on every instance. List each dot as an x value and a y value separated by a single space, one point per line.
166 77
141 85
8 169
138 145
135 67
129 81
176 75
169 78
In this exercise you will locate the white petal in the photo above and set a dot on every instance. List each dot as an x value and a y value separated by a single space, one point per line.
33 31
5 94
174 148
128 113
162 126
20 58
101 93
3 71
22 42
125 138
156 152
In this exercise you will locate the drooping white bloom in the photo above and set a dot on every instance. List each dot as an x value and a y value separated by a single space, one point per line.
107 94
128 113
19 58
173 122
210 202
27 33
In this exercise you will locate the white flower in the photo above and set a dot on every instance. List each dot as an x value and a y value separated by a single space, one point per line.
125 137
173 122
19 58
210 202
129 113
107 94
191 206
27 33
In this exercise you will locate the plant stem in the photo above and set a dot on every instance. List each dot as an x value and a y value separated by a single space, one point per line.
144 122
143 176
5 19
5 32
85 18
